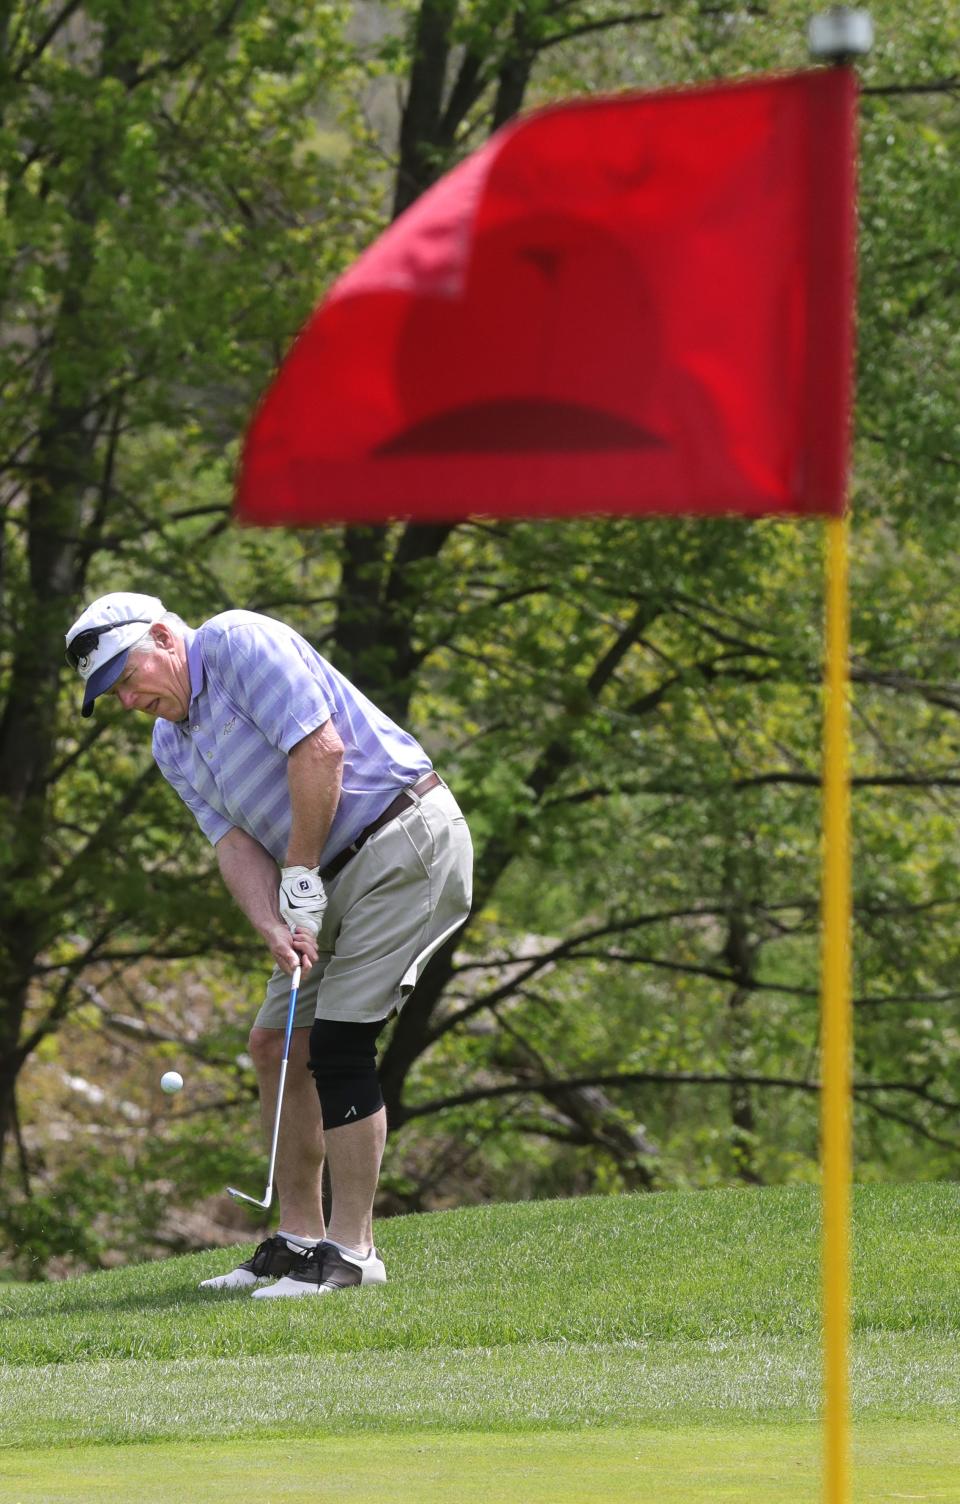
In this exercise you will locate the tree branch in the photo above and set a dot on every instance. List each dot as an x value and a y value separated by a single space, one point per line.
662 1078
46 37
939 86
688 969
632 18
908 1122
784 776
174 64
879 1000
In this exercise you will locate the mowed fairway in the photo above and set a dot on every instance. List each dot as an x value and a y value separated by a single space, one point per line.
769 1463
633 1348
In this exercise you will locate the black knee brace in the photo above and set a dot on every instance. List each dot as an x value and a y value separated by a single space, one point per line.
343 1062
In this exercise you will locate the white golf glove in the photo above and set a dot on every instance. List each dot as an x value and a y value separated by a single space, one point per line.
302 898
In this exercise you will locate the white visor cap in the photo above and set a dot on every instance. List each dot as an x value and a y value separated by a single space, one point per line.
102 636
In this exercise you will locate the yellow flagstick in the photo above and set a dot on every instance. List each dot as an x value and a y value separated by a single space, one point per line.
837 36
836 1030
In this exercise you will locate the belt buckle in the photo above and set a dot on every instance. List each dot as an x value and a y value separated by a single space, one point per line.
411 792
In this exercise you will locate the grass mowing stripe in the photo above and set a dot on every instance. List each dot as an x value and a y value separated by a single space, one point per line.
671 1266
499 1389
778 1464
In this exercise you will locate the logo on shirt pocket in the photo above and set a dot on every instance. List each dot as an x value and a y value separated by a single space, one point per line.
228 727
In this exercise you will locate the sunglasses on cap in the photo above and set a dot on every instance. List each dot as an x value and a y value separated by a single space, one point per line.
84 643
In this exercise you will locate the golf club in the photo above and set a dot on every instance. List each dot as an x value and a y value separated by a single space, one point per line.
268 1193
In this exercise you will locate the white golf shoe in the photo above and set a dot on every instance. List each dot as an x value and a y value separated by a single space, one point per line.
324 1270
273 1258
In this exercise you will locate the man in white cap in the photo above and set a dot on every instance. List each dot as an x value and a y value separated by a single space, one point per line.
346 852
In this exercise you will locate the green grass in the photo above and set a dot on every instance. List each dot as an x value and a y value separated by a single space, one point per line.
626 1466
600 1270
684 1316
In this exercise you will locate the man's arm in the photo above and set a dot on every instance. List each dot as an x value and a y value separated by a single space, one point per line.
314 772
250 873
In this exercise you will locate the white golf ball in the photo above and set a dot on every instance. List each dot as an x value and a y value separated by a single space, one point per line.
171 1081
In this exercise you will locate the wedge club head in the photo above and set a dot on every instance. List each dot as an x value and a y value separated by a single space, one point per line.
240 1196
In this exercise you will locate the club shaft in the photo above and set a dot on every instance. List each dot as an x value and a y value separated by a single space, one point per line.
294 989
268 1193
276 1129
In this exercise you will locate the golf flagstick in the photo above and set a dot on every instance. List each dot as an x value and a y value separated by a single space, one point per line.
268 1193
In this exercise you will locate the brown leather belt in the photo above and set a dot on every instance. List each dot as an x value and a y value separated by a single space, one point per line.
403 801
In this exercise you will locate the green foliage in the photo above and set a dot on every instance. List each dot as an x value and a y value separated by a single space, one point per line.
64 1227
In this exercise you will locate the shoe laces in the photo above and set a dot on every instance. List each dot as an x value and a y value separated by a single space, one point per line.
262 1257
311 1257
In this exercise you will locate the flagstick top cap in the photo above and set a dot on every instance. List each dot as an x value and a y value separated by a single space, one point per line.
840 33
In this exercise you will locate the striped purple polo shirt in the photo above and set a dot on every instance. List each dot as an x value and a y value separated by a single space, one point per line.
258 688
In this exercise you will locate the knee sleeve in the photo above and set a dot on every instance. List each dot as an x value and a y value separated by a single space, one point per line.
343 1062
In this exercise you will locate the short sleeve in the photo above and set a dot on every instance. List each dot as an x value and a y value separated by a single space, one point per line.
269 680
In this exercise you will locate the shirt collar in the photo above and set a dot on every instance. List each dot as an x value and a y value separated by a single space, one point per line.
194 662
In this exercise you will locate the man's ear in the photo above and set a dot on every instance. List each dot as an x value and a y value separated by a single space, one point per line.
161 634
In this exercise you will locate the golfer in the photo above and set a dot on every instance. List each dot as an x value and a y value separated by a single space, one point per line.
347 853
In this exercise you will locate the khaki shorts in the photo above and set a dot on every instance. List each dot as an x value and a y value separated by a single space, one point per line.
404 893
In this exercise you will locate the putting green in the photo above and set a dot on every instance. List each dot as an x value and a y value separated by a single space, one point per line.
893 1460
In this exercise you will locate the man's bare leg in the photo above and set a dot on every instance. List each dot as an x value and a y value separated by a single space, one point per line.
300 1145
354 1153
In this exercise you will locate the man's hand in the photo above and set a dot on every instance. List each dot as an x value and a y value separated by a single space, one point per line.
288 951
302 898
250 873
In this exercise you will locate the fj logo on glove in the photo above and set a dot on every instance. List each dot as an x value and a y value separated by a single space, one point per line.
301 898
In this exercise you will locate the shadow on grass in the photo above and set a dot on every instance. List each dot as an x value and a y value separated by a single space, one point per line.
81 1304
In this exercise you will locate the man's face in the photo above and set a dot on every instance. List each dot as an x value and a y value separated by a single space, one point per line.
158 681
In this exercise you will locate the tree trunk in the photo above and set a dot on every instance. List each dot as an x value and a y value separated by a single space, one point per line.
740 953
412 1034
375 629
419 125
61 475
17 951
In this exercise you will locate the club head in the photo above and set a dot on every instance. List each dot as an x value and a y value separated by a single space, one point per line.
239 1196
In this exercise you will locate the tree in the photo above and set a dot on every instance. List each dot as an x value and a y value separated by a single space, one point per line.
161 183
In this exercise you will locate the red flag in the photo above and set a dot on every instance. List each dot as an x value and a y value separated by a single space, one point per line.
636 304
